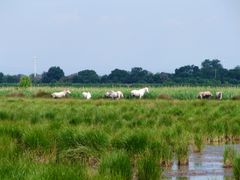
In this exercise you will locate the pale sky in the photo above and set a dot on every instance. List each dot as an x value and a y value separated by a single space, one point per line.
157 35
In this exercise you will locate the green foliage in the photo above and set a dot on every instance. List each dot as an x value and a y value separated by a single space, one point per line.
86 76
25 82
211 73
53 75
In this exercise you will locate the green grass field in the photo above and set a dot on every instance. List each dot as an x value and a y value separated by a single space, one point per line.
71 138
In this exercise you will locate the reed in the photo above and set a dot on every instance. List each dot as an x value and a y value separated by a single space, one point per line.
228 156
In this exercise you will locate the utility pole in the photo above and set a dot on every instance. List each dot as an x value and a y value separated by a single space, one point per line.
215 73
35 58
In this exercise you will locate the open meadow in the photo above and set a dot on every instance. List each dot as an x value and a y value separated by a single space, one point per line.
72 138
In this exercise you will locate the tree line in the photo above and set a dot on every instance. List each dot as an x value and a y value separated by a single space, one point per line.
211 72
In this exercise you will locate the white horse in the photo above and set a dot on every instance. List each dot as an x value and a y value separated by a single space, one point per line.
140 92
114 94
61 94
219 95
120 94
87 95
204 95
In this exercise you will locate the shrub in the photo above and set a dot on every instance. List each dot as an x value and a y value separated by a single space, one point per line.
25 82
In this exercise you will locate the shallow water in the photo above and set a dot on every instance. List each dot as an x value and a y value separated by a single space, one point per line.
205 165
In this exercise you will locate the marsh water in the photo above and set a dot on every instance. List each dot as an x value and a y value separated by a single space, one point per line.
205 165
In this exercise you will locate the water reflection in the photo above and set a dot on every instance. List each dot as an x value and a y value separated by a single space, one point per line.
205 165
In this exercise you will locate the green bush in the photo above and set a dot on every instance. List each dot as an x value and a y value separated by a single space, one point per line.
25 82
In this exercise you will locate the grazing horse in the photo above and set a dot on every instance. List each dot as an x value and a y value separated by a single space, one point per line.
61 94
219 95
114 94
139 93
204 95
87 95
120 94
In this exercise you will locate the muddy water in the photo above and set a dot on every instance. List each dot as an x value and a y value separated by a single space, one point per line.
205 165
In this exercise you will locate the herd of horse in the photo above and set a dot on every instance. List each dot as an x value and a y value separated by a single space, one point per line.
110 94
208 95
139 93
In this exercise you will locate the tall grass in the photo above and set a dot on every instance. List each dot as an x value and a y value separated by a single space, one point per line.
228 156
108 139
133 142
148 169
116 164
236 167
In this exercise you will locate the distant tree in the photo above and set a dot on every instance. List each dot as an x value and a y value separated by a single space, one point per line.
11 79
209 64
211 69
119 76
1 77
25 81
235 73
161 77
187 71
104 79
35 79
54 74
69 79
149 77
86 76
138 75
